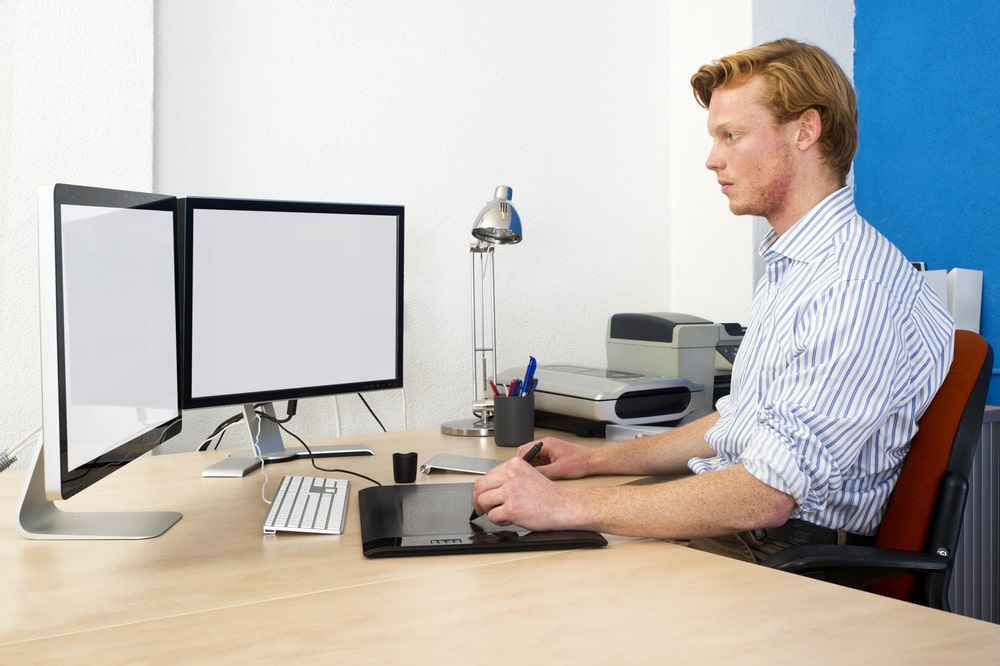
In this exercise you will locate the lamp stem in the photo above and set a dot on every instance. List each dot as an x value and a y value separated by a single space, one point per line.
483 321
492 326
477 287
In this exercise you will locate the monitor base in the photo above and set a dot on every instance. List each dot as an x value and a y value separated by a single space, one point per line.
39 518
240 464
265 431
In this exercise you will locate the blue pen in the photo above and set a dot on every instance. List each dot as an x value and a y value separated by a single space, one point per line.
529 376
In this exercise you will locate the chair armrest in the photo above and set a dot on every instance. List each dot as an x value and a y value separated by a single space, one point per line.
854 566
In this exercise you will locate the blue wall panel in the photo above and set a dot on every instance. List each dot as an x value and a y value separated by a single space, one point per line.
927 173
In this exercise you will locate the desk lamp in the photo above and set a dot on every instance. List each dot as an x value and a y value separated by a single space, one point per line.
497 224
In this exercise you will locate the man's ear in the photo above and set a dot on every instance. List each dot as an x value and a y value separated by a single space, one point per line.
810 127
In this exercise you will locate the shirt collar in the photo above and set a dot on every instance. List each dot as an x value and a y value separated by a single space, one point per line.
813 232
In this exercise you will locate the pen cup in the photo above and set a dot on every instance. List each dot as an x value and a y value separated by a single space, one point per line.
404 467
513 419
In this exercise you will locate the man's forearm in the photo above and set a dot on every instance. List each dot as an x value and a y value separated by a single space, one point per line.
665 453
710 504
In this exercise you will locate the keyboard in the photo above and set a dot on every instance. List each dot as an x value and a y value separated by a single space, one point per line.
308 504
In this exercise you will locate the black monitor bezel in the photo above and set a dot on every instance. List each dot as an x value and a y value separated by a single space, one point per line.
186 211
73 481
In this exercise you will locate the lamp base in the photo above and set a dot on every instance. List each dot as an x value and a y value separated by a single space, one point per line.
469 427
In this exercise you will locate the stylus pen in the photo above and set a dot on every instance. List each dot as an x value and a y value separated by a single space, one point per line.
528 457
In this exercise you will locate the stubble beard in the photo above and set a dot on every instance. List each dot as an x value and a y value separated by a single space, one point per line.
772 193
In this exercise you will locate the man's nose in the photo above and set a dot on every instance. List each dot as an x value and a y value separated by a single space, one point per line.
714 161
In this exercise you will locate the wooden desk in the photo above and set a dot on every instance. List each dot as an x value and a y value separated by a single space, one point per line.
213 588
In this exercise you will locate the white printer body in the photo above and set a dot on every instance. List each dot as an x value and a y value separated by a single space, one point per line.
662 368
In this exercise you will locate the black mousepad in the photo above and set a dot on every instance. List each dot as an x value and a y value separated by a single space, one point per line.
433 519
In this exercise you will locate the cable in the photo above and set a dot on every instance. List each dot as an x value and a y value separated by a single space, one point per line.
312 456
402 397
290 411
336 413
219 431
260 456
291 408
9 457
372 412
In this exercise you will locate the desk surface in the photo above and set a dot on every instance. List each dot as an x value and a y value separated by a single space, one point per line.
214 587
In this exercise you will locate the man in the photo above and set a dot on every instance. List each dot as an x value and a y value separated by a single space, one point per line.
845 348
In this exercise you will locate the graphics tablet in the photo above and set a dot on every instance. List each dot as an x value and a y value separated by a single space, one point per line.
433 519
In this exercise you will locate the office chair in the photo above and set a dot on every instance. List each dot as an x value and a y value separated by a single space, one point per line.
915 548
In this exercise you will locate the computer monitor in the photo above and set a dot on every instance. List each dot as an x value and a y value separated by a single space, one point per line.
110 341
285 300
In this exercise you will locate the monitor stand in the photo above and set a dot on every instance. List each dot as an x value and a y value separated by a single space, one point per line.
39 518
267 434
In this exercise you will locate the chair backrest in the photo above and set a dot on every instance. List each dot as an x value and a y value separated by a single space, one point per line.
925 510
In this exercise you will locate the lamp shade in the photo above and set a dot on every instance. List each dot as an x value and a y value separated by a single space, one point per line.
498 222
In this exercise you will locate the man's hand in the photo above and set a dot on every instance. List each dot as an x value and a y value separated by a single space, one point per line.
518 493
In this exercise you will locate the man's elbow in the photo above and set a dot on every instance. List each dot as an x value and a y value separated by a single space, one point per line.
776 510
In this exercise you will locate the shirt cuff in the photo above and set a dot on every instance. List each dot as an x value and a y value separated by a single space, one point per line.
771 461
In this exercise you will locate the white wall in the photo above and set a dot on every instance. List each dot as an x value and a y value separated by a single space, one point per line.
710 258
432 105
76 105
584 108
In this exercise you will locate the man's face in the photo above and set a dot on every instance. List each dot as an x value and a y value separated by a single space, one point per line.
752 156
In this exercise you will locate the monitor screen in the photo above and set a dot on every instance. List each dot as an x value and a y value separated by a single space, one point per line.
285 300
110 333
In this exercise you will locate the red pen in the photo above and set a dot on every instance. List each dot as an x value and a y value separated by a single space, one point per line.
493 387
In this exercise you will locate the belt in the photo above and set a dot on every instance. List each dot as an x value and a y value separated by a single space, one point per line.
798 532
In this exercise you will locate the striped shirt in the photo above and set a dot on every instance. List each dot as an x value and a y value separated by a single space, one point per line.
845 348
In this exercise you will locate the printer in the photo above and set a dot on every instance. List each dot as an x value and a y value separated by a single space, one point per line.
663 368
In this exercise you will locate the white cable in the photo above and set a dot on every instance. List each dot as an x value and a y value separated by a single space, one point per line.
336 413
9 457
402 395
260 456
219 433
28 439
